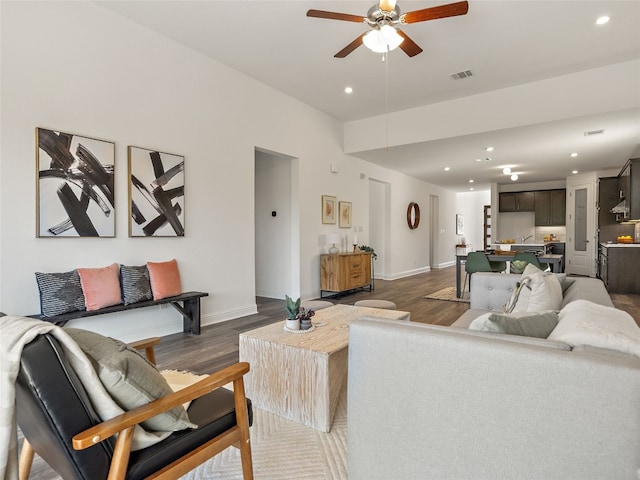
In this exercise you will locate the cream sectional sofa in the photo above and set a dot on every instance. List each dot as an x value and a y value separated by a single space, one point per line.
431 402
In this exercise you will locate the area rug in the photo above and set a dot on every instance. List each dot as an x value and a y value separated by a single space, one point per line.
449 294
282 449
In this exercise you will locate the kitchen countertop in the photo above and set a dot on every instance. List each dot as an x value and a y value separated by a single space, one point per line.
522 244
620 244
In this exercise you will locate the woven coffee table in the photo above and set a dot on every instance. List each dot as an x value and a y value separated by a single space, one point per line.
300 376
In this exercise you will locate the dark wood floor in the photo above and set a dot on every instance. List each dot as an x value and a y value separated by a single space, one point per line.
217 346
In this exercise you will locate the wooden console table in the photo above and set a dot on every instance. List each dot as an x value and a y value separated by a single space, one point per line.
341 272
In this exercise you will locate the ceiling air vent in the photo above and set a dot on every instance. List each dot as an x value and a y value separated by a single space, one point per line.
590 133
461 75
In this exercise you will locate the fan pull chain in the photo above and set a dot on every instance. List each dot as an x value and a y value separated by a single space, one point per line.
385 59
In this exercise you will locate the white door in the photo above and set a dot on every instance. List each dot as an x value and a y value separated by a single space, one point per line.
581 231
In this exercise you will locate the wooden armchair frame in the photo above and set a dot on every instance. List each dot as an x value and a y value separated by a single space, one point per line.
123 426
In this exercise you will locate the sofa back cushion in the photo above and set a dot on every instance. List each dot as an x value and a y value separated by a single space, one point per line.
587 289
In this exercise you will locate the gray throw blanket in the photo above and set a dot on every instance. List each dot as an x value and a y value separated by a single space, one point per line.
15 333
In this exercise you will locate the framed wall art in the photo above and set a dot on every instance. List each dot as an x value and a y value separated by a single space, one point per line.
74 185
156 193
344 209
459 224
329 209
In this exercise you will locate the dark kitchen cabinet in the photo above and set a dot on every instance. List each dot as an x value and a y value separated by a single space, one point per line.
609 226
550 207
517 202
617 268
558 207
629 188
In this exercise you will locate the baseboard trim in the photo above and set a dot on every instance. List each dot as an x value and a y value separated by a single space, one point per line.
218 317
408 273
444 265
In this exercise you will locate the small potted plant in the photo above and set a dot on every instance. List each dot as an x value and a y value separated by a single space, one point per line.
366 248
292 308
305 318
298 318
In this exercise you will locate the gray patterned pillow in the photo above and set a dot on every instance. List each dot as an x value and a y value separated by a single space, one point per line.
60 293
136 286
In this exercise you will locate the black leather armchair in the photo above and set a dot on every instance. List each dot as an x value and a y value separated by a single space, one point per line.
60 424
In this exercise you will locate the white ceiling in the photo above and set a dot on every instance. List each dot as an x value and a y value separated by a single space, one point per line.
504 44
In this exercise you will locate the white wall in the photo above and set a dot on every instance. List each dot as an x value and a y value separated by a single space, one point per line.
78 68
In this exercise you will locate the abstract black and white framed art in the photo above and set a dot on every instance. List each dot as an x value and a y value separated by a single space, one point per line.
74 185
156 193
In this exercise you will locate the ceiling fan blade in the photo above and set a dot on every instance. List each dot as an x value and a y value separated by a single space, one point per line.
433 13
335 16
408 46
350 48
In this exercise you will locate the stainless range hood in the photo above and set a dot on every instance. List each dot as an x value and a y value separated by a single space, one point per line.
621 208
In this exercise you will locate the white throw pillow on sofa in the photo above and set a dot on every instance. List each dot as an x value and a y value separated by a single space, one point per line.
586 323
540 291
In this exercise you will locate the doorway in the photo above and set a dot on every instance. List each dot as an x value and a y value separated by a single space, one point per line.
434 230
581 232
276 235
379 201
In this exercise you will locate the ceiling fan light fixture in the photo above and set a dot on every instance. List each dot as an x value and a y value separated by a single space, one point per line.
387 5
382 40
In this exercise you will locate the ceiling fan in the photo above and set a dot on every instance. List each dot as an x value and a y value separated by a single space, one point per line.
383 19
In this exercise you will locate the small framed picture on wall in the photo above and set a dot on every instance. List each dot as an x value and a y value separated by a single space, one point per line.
329 209
344 209
459 224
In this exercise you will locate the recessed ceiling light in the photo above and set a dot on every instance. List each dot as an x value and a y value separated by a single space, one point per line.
446 169
348 90
478 159
489 149
574 154
602 20
574 172
471 181
506 170
514 177
471 189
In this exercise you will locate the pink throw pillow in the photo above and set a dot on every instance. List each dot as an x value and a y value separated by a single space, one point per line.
100 286
165 279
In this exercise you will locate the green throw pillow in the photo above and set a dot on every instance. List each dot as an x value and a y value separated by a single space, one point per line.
527 324
130 378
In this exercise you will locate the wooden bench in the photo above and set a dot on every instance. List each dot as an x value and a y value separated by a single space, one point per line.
187 303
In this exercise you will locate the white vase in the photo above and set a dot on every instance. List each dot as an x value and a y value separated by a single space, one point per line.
292 324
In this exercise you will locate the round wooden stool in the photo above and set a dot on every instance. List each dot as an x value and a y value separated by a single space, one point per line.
386 304
316 304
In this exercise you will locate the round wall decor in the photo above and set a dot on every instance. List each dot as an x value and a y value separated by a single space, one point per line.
413 215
